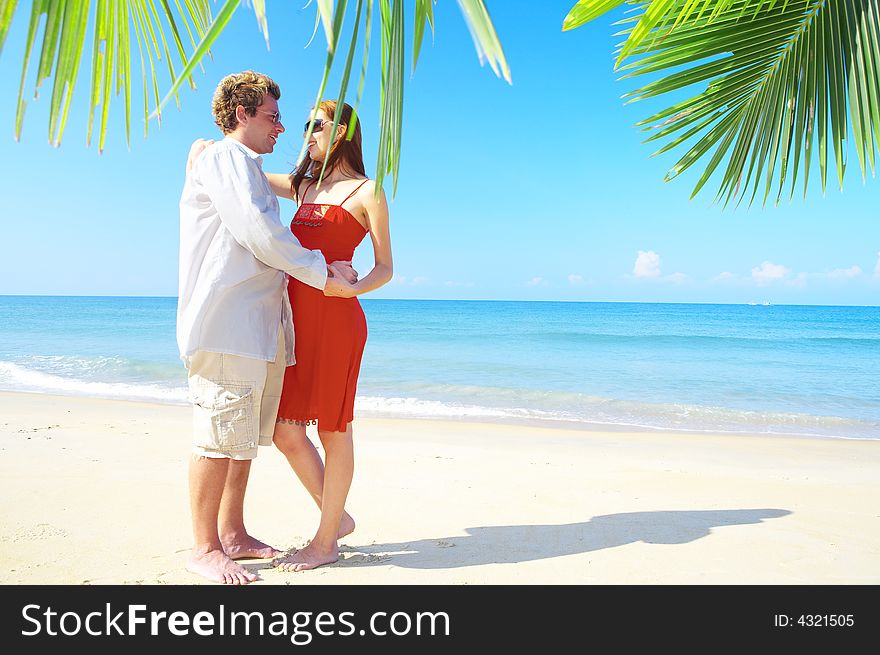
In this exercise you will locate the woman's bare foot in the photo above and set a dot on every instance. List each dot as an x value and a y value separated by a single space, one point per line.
346 526
216 566
310 557
246 547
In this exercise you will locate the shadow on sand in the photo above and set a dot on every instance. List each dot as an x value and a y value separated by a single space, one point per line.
523 543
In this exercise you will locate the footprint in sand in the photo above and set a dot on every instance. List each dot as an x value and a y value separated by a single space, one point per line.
35 533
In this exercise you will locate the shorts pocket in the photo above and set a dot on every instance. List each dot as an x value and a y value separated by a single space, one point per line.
223 415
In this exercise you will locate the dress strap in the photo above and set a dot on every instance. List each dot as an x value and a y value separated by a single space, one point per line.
354 192
308 185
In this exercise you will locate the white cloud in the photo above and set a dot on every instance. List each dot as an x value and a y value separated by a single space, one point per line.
405 281
799 281
453 283
724 275
537 282
768 272
575 280
676 278
647 264
852 271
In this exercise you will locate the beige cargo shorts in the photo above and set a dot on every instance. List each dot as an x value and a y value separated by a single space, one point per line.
235 402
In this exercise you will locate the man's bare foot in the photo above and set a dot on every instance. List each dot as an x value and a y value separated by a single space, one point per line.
218 567
246 547
346 526
310 557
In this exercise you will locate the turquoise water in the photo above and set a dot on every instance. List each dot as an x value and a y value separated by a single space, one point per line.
803 370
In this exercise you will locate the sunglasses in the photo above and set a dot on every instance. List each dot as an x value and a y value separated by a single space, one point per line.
319 125
275 116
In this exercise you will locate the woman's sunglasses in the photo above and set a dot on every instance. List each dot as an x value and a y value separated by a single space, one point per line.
319 125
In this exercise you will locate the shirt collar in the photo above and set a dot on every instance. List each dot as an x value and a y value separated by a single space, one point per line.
250 153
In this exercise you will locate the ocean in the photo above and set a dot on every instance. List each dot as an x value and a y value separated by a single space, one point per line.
741 369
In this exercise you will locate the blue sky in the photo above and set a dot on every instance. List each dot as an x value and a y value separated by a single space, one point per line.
502 194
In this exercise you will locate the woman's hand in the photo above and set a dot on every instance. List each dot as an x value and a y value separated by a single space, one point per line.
195 150
337 287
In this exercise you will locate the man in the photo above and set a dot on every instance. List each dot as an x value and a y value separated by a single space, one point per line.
234 327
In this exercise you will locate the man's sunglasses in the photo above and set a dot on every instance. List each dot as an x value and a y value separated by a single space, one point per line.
275 116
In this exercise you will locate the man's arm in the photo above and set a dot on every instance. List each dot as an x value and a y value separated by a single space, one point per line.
248 209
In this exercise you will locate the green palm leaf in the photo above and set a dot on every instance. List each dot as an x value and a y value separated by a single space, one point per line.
392 57
7 9
777 76
159 31
65 23
485 39
424 12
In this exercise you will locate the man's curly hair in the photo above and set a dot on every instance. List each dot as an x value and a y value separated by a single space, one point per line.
246 89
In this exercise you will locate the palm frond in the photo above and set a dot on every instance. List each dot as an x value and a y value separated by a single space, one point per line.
204 46
586 10
61 45
485 39
7 10
391 95
333 37
166 32
424 12
392 29
660 18
343 86
777 75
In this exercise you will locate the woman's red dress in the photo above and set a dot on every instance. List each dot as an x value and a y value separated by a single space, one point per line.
329 333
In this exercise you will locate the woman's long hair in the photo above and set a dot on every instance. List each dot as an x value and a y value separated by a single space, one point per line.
345 153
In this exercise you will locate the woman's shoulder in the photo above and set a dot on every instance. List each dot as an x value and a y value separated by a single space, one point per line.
366 188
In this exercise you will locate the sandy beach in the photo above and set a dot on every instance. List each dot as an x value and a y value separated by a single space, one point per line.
95 492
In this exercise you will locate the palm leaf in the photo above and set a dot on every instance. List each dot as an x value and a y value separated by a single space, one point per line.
392 58
61 45
325 14
7 9
778 76
208 39
661 17
166 30
391 95
424 12
343 87
333 38
586 10
485 39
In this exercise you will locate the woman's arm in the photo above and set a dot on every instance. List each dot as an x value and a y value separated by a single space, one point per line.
195 150
376 211
280 183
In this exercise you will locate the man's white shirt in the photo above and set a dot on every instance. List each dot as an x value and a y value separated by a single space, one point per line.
235 256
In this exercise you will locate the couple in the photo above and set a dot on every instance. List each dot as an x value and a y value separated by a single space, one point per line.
256 298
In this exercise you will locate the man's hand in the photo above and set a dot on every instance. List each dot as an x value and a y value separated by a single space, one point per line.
342 269
195 150
337 287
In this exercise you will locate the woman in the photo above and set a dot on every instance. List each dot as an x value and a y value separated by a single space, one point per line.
330 332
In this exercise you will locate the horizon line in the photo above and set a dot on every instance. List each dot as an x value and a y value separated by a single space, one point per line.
584 302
